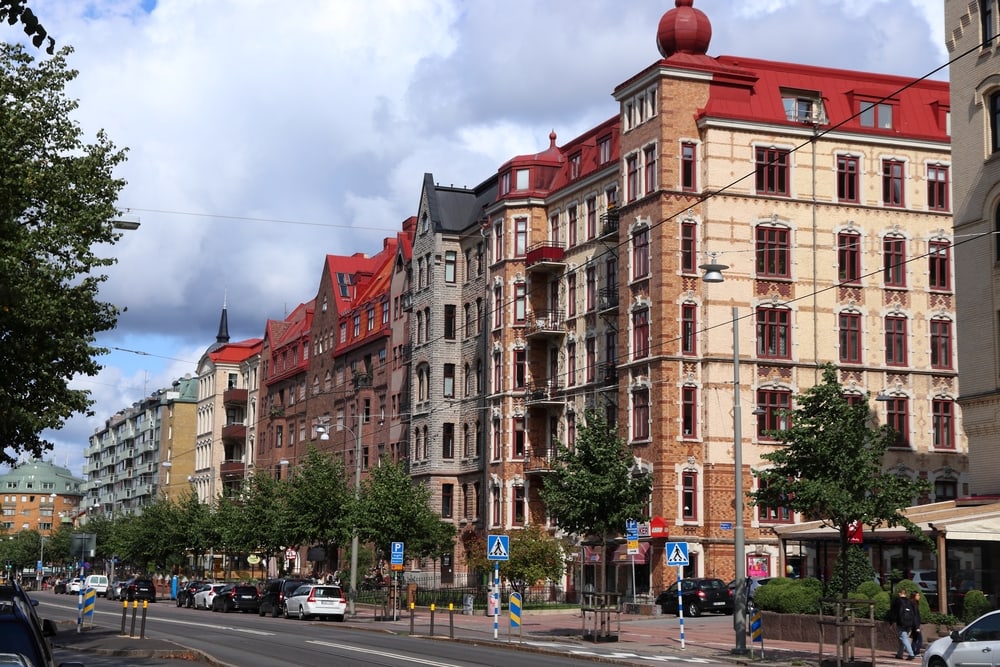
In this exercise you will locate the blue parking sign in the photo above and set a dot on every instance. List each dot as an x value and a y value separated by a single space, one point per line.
397 554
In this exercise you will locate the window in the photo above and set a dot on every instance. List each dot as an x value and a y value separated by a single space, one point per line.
894 261
343 332
848 257
571 430
640 333
450 262
519 439
591 287
945 489
772 252
775 404
892 183
498 241
447 500
689 412
940 344
520 375
631 178
521 179
449 381
519 504
520 237
498 306
571 295
875 115
768 514
772 171
495 506
937 187
986 21
689 328
801 109
450 316
847 178
689 495
447 441
571 226
520 303
592 217
995 121
773 333
649 155
640 414
689 167
640 253
939 261
944 425
689 247
895 341
897 418
850 338
591 352
574 165
570 364
357 325
604 149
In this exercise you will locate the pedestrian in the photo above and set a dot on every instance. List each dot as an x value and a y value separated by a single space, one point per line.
916 636
902 617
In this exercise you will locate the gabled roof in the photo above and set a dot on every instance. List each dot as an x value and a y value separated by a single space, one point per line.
235 353
454 209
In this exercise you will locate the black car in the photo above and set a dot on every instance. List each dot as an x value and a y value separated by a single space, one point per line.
236 597
139 588
185 593
698 595
22 633
274 594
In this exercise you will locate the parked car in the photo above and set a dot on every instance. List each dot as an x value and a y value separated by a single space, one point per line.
311 600
75 585
972 645
698 595
926 579
98 582
139 588
185 593
760 582
274 594
236 597
22 632
203 598
116 591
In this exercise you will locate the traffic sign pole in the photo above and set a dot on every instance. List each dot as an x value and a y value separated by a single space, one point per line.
677 554
680 602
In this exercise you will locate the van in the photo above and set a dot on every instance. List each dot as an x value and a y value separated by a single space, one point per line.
99 583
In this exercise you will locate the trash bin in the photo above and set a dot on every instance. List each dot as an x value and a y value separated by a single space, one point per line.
467 604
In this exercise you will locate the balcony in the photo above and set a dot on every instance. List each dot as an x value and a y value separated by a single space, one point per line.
234 396
609 223
406 301
545 257
610 375
544 323
232 471
234 431
607 299
362 380
541 461
547 392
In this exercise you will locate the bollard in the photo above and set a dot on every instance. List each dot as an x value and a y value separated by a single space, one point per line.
124 614
432 619
142 625
411 618
451 620
135 609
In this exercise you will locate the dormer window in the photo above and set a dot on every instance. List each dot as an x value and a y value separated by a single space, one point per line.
803 107
521 182
875 114
574 166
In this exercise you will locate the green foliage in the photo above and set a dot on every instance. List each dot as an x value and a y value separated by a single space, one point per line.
534 556
57 203
830 468
17 11
882 605
593 489
319 503
790 596
855 565
975 605
868 589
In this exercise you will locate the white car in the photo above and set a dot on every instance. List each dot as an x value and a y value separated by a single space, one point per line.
310 600
75 585
972 645
203 598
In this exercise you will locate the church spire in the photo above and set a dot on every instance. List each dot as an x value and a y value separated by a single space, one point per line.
223 336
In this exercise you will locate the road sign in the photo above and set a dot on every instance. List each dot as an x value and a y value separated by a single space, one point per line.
515 609
631 529
726 525
677 553
397 554
633 547
498 547
644 529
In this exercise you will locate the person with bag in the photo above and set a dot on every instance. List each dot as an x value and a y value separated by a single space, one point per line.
916 636
902 617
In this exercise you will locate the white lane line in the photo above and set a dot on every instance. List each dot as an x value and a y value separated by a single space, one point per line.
385 654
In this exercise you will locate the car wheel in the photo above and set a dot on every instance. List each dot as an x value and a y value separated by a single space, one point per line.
693 609
275 612
339 618
286 614
936 661
260 612
302 613
180 603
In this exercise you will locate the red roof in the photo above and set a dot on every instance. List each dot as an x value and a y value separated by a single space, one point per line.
235 353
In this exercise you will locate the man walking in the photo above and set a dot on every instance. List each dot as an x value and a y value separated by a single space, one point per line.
902 617
916 636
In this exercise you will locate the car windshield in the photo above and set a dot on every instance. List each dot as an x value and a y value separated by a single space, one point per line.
986 628
326 592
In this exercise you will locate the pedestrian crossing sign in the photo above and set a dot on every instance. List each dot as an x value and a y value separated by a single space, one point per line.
677 553
498 547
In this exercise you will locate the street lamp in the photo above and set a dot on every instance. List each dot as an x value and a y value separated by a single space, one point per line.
357 494
713 274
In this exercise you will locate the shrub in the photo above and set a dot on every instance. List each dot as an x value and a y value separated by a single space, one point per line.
859 571
869 589
975 605
790 596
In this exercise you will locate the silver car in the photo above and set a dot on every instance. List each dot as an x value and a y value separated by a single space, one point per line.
311 600
971 646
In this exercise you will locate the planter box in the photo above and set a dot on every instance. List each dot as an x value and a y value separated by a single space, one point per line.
806 628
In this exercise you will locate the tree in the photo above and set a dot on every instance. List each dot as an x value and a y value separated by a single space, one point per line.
829 468
594 488
267 516
13 11
319 503
57 202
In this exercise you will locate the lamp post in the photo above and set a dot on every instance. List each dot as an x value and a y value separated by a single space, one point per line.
713 274
357 493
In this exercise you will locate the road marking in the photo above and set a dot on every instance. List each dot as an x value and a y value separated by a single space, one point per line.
385 654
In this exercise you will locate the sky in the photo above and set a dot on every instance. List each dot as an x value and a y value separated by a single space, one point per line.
263 136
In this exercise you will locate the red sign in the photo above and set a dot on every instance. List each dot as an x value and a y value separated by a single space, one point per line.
658 528
854 533
291 554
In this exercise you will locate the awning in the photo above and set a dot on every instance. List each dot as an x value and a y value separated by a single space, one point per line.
621 555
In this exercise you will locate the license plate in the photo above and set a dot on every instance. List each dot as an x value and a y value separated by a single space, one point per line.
246 597
719 604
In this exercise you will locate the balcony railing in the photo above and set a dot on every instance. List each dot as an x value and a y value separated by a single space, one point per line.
362 380
235 396
549 322
546 255
609 222
610 374
607 299
546 391
542 460
232 470
234 431
406 300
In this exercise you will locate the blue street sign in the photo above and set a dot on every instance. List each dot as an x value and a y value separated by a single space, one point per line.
397 554
498 547
677 553
631 529
726 525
